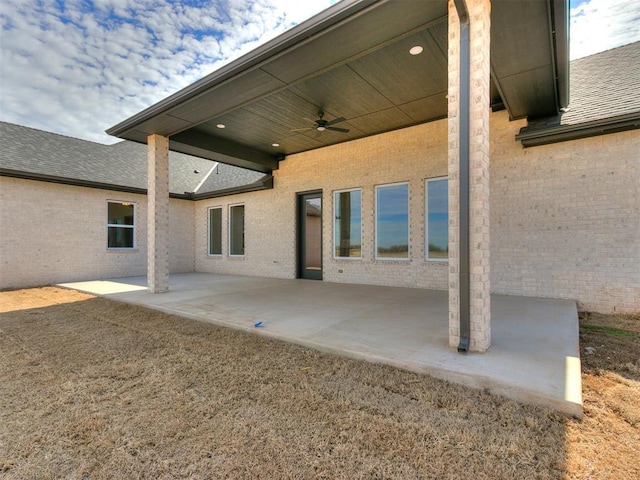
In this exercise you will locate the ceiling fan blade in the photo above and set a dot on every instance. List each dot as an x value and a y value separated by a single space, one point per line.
336 129
335 120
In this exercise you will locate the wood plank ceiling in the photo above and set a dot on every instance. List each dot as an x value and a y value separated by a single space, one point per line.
384 90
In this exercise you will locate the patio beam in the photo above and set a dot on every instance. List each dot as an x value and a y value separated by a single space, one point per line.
200 144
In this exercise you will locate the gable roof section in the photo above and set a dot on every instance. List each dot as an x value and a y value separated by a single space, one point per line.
605 98
38 155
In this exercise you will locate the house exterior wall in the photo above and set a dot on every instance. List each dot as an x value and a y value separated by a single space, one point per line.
52 233
411 154
565 218
181 238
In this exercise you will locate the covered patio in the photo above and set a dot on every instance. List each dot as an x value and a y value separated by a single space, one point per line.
534 356
373 66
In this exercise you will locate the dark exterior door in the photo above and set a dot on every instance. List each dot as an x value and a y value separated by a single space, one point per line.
310 235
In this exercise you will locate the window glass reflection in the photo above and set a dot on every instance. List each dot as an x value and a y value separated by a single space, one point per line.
347 239
392 221
437 219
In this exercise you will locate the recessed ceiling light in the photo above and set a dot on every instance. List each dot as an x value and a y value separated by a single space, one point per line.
417 50
275 144
221 125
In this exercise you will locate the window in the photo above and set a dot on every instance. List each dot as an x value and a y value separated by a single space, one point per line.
120 225
236 230
215 231
392 221
437 224
347 228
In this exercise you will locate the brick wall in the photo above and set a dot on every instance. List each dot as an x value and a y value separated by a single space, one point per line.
181 238
565 218
412 154
52 233
158 227
478 150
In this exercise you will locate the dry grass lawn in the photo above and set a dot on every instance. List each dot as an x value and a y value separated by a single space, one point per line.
90 388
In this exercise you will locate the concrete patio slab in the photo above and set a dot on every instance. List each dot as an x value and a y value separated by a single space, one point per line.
534 357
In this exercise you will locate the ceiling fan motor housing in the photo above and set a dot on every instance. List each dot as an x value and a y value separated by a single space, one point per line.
322 124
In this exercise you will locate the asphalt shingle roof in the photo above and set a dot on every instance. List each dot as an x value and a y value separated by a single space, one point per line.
123 164
604 85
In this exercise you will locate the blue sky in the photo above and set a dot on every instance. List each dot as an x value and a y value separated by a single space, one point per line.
77 67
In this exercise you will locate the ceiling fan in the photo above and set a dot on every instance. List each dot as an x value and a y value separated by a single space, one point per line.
321 124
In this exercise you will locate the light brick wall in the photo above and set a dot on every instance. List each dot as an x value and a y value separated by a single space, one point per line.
479 160
565 218
413 154
479 102
51 233
181 236
158 214
453 151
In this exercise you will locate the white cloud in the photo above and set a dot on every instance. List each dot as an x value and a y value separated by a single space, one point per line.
72 70
75 70
598 25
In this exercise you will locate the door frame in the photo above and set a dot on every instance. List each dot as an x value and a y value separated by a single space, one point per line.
301 271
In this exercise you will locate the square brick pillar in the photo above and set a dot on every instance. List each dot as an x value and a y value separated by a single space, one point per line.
479 12
158 214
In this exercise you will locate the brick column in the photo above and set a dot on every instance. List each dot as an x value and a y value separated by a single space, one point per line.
158 214
479 108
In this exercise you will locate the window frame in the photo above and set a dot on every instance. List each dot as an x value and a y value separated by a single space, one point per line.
426 219
217 207
377 229
122 226
335 214
230 227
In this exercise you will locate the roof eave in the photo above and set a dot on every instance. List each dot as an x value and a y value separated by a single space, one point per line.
265 183
533 138
77 182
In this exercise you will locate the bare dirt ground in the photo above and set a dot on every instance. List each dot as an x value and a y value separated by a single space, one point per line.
90 388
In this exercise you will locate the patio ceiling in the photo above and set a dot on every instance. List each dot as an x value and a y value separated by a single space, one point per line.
353 61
